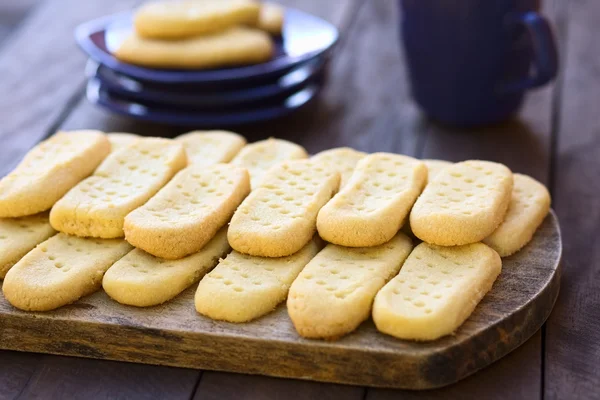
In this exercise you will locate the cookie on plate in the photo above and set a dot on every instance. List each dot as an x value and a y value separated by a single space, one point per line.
181 19
239 45
271 18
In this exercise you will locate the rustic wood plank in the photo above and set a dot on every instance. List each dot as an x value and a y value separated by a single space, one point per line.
366 104
573 330
87 116
502 143
16 370
12 13
41 70
78 378
174 334
221 386
489 383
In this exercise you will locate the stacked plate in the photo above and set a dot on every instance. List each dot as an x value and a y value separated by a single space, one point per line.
215 97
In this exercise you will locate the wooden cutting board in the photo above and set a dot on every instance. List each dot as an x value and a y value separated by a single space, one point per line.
174 334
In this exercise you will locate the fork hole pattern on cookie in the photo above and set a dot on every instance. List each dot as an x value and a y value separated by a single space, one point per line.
436 290
184 215
371 208
279 217
464 204
98 205
333 294
242 287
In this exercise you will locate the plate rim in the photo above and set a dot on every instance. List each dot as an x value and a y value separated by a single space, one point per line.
225 98
195 118
84 31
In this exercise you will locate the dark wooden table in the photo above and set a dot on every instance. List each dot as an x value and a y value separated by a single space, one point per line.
366 105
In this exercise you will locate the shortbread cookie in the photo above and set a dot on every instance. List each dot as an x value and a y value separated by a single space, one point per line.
436 290
333 294
434 167
529 205
50 170
279 217
271 18
19 235
188 211
124 181
371 208
181 19
242 287
60 270
211 147
464 204
119 140
344 159
142 280
235 46
260 156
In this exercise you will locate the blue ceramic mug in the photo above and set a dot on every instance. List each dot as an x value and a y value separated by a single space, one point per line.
471 61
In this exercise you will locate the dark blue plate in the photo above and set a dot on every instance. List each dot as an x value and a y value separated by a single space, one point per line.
201 96
98 95
304 38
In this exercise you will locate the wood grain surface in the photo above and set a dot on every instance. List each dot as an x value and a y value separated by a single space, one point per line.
174 334
12 13
366 105
38 60
572 347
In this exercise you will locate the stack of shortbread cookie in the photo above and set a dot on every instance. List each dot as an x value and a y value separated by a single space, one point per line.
452 211
171 199
146 218
202 34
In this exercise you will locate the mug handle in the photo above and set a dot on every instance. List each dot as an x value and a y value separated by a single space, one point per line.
545 54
